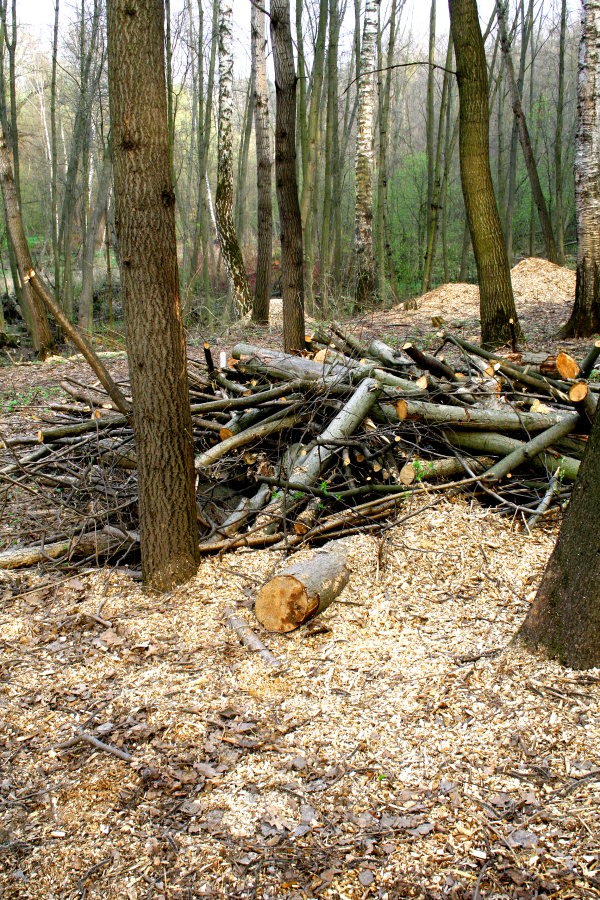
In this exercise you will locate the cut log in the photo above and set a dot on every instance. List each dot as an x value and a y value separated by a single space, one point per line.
429 363
213 454
567 366
302 590
589 362
502 445
532 448
100 544
583 401
472 418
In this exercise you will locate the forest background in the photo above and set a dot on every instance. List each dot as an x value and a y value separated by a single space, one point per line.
58 118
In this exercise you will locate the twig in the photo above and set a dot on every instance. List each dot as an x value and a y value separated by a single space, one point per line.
249 639
84 737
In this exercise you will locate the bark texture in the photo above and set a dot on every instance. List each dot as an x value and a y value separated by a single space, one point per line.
564 618
365 279
262 291
292 280
585 318
228 240
145 220
497 304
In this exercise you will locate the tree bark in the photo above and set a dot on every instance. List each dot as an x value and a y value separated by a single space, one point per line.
364 258
262 291
86 300
228 240
585 318
564 619
145 218
524 138
560 103
292 281
496 297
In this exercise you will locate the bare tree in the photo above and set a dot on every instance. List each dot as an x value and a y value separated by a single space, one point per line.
262 291
290 221
498 312
228 240
365 276
585 318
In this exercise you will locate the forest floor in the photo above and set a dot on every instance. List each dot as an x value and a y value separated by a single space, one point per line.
407 748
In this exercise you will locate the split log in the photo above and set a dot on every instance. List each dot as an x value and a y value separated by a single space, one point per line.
302 590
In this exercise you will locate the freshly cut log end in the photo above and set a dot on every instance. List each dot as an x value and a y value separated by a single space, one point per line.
578 392
567 366
302 590
402 410
283 604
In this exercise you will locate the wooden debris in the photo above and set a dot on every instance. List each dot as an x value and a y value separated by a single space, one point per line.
302 590
250 639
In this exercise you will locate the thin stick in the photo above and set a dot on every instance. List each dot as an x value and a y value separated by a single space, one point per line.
250 639
86 738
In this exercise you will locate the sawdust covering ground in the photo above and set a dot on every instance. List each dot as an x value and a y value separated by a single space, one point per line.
407 748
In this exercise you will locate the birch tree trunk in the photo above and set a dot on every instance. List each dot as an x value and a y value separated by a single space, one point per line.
585 318
262 291
230 247
365 276
292 281
384 84
331 152
145 218
497 304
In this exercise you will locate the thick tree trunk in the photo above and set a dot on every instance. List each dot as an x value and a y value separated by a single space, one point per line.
564 618
262 291
292 282
230 247
585 318
496 297
364 258
145 218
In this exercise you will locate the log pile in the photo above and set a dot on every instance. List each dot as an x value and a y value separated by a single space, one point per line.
297 449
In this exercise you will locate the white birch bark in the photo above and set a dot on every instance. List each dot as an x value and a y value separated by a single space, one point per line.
230 247
585 319
363 215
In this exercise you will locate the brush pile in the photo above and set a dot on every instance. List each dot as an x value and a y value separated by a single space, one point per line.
293 449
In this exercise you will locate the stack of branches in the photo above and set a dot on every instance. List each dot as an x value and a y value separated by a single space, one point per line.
293 449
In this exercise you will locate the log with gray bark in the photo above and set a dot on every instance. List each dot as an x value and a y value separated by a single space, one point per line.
304 589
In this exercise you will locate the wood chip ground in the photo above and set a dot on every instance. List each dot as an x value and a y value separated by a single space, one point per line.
408 748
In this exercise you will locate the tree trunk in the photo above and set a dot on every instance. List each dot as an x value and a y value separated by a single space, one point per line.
558 173
496 297
364 259
564 618
384 84
331 149
585 318
262 291
85 313
526 29
145 218
241 199
41 336
228 241
524 138
292 282
54 159
430 120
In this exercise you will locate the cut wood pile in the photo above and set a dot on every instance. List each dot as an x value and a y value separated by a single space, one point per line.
297 449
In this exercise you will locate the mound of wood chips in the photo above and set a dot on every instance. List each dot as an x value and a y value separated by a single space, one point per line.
407 749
